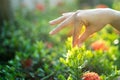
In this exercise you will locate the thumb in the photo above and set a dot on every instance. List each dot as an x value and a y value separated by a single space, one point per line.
84 36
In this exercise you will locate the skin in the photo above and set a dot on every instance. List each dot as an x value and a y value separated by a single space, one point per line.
93 19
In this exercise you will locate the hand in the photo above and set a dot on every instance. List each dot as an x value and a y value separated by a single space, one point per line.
93 19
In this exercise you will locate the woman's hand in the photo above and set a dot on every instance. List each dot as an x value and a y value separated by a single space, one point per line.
93 19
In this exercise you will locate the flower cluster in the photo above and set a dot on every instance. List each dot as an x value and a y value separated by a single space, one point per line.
40 7
90 76
99 45
101 6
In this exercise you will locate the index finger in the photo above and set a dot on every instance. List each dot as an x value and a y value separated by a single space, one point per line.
58 20
62 25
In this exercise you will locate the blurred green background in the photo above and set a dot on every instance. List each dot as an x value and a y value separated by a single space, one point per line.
28 52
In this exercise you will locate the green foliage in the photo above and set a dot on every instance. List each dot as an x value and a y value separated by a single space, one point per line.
115 5
28 52
27 48
80 60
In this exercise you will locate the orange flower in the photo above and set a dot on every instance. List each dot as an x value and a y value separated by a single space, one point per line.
99 45
40 7
101 6
90 76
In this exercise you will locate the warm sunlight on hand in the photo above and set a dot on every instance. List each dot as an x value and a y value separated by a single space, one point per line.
93 19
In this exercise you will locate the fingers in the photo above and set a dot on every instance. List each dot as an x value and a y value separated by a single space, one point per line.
84 36
62 25
58 20
77 30
69 13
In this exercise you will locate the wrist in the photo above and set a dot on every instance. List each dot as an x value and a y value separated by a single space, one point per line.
116 20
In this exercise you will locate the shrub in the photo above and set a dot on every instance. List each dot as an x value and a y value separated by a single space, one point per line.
81 60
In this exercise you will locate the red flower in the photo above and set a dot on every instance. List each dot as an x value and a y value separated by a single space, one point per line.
40 7
26 63
101 6
49 45
90 76
99 45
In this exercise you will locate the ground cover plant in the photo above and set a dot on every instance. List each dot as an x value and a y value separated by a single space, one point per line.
28 52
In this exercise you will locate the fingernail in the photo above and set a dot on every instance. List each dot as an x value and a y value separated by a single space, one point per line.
79 45
50 22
